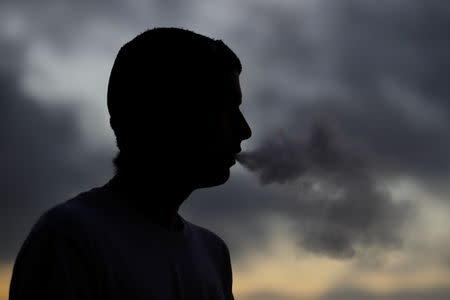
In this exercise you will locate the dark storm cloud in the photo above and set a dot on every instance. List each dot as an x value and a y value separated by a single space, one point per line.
61 23
41 159
379 68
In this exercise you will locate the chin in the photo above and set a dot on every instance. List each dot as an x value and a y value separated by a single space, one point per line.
214 179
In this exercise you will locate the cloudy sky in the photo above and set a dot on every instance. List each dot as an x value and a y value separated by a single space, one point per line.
343 188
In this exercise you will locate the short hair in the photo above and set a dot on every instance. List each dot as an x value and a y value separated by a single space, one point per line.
162 67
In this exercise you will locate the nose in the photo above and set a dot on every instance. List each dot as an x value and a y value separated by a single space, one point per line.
245 131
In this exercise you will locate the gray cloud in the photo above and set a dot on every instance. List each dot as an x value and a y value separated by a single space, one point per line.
41 157
378 69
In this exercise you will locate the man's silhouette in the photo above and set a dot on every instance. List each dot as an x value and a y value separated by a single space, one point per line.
173 99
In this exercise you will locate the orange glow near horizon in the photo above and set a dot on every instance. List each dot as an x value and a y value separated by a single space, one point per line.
306 278
5 278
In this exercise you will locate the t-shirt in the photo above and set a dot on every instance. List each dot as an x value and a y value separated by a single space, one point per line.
94 247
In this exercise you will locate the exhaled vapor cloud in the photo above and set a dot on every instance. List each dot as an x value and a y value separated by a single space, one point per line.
338 205
283 158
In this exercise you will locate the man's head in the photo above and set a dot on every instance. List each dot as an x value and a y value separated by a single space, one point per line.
173 98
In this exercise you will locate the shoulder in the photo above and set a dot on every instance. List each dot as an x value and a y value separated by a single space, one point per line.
218 252
66 219
210 239
57 242
62 228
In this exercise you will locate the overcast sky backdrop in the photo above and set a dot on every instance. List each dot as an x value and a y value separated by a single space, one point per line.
344 193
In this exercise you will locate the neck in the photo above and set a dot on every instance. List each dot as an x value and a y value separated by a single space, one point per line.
159 201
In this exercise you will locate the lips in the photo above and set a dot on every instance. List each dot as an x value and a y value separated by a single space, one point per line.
229 158
232 160
236 153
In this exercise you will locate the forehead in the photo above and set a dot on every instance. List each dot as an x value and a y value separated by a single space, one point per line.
229 88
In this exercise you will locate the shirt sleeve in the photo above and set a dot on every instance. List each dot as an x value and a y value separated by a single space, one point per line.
50 265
